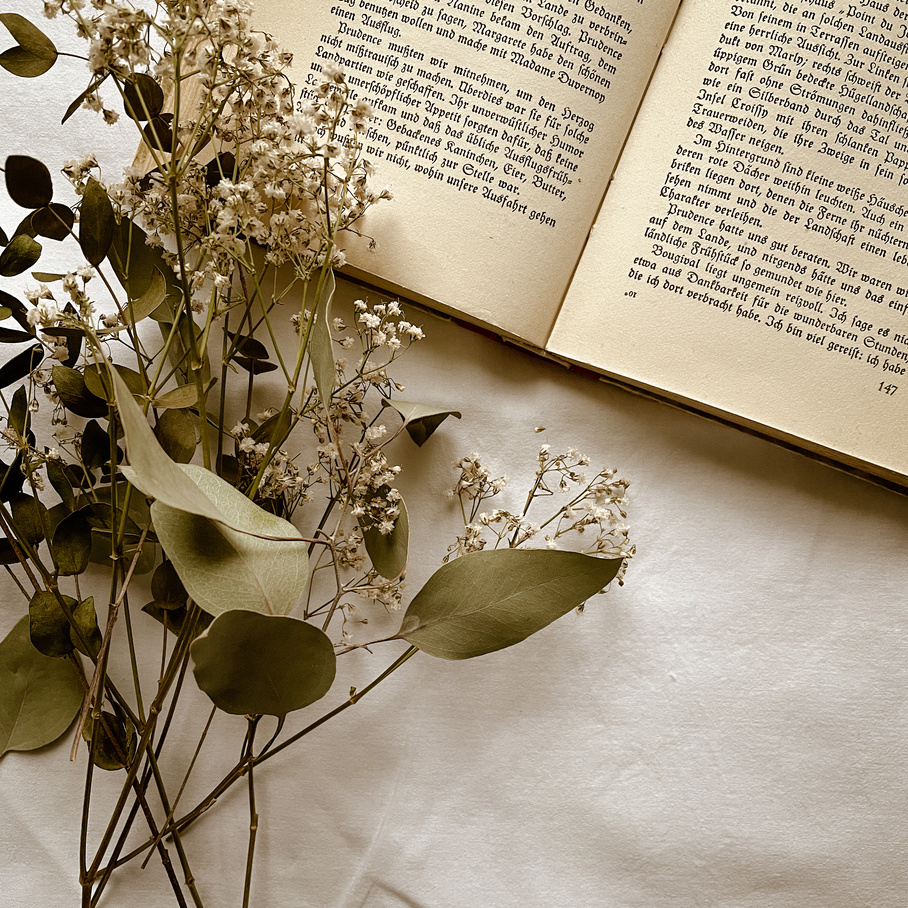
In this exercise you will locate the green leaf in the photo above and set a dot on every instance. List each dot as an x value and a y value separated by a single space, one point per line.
256 366
71 544
28 181
55 221
158 133
167 588
388 553
143 98
21 253
247 346
86 620
47 624
19 418
251 664
175 430
56 474
96 223
113 741
321 350
12 336
39 696
93 86
35 53
29 518
20 365
420 421
98 383
178 399
150 470
154 295
74 394
486 601
224 569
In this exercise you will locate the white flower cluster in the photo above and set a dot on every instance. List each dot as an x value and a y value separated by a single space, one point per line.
595 508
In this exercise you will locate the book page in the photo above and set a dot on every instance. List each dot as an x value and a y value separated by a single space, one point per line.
498 125
752 253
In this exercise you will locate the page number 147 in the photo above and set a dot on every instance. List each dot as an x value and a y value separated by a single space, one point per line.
887 388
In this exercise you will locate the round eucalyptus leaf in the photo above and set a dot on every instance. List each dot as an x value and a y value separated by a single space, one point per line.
87 640
253 664
74 393
55 221
39 696
158 133
485 601
29 517
175 430
21 253
167 588
143 98
113 741
71 544
96 223
34 54
220 168
48 626
28 181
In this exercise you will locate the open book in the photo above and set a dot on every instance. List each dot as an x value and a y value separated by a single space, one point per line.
705 200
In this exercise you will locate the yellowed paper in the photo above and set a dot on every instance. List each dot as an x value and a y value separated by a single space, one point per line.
752 254
498 126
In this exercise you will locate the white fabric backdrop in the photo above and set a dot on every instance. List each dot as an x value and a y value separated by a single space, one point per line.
726 730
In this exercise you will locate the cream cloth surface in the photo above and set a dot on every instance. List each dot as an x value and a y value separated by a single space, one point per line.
727 730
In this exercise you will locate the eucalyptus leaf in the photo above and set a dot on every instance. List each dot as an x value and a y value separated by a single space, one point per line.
97 382
20 365
221 167
252 664
113 740
86 620
224 569
93 86
12 336
39 696
21 253
154 295
54 221
150 469
29 517
167 588
321 349
96 223
178 399
28 181
74 394
485 601
95 448
255 366
247 346
19 417
388 552
420 420
18 310
175 430
11 478
158 133
48 626
35 53
71 544
143 98
56 474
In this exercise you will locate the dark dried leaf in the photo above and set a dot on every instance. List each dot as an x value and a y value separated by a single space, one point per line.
96 223
35 53
21 253
143 98
55 221
74 393
28 181
158 133
20 365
